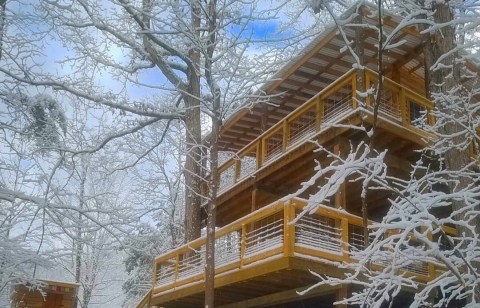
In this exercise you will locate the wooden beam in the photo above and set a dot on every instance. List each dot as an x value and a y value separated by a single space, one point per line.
412 53
270 190
341 148
254 198
341 294
398 162
282 297
300 62
257 269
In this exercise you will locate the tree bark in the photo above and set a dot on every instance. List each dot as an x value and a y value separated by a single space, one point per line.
78 243
443 84
214 177
3 5
193 136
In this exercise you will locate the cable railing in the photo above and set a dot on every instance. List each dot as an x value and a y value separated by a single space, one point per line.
276 230
398 103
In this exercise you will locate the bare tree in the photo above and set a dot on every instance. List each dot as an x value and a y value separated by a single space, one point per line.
192 61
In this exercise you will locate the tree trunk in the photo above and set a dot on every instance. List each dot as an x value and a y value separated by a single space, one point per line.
78 245
214 177
3 5
443 84
212 212
193 137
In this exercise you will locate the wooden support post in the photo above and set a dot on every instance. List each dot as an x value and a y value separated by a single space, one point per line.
242 244
354 92
155 269
319 114
360 38
345 242
177 261
285 136
340 197
236 175
259 154
288 229
263 150
431 267
403 107
341 148
342 294
368 85
396 74
254 197
264 118
430 117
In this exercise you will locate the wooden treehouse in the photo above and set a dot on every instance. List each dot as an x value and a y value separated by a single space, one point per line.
264 253
54 294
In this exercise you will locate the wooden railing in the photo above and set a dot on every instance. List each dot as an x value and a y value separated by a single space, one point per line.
276 230
399 103
145 301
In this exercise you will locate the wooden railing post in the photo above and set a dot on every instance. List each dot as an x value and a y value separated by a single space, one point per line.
344 235
403 107
430 265
341 294
177 260
155 269
263 149
285 136
237 171
288 229
430 117
319 113
363 84
242 244
354 91
258 154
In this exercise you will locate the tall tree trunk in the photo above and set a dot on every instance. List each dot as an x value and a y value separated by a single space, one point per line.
193 136
3 5
212 211
214 177
443 84
78 244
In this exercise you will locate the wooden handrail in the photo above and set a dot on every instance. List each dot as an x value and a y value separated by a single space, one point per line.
145 301
287 247
317 102
305 106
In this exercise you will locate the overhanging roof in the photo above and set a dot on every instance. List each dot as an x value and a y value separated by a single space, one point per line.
323 61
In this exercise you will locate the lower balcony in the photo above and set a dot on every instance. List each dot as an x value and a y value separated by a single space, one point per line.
270 251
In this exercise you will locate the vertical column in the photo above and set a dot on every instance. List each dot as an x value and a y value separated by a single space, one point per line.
341 148
155 270
404 108
243 244
288 229
341 294
254 197
285 136
320 109
264 118
359 39
177 261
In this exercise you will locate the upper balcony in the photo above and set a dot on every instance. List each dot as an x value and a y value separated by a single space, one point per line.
326 115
